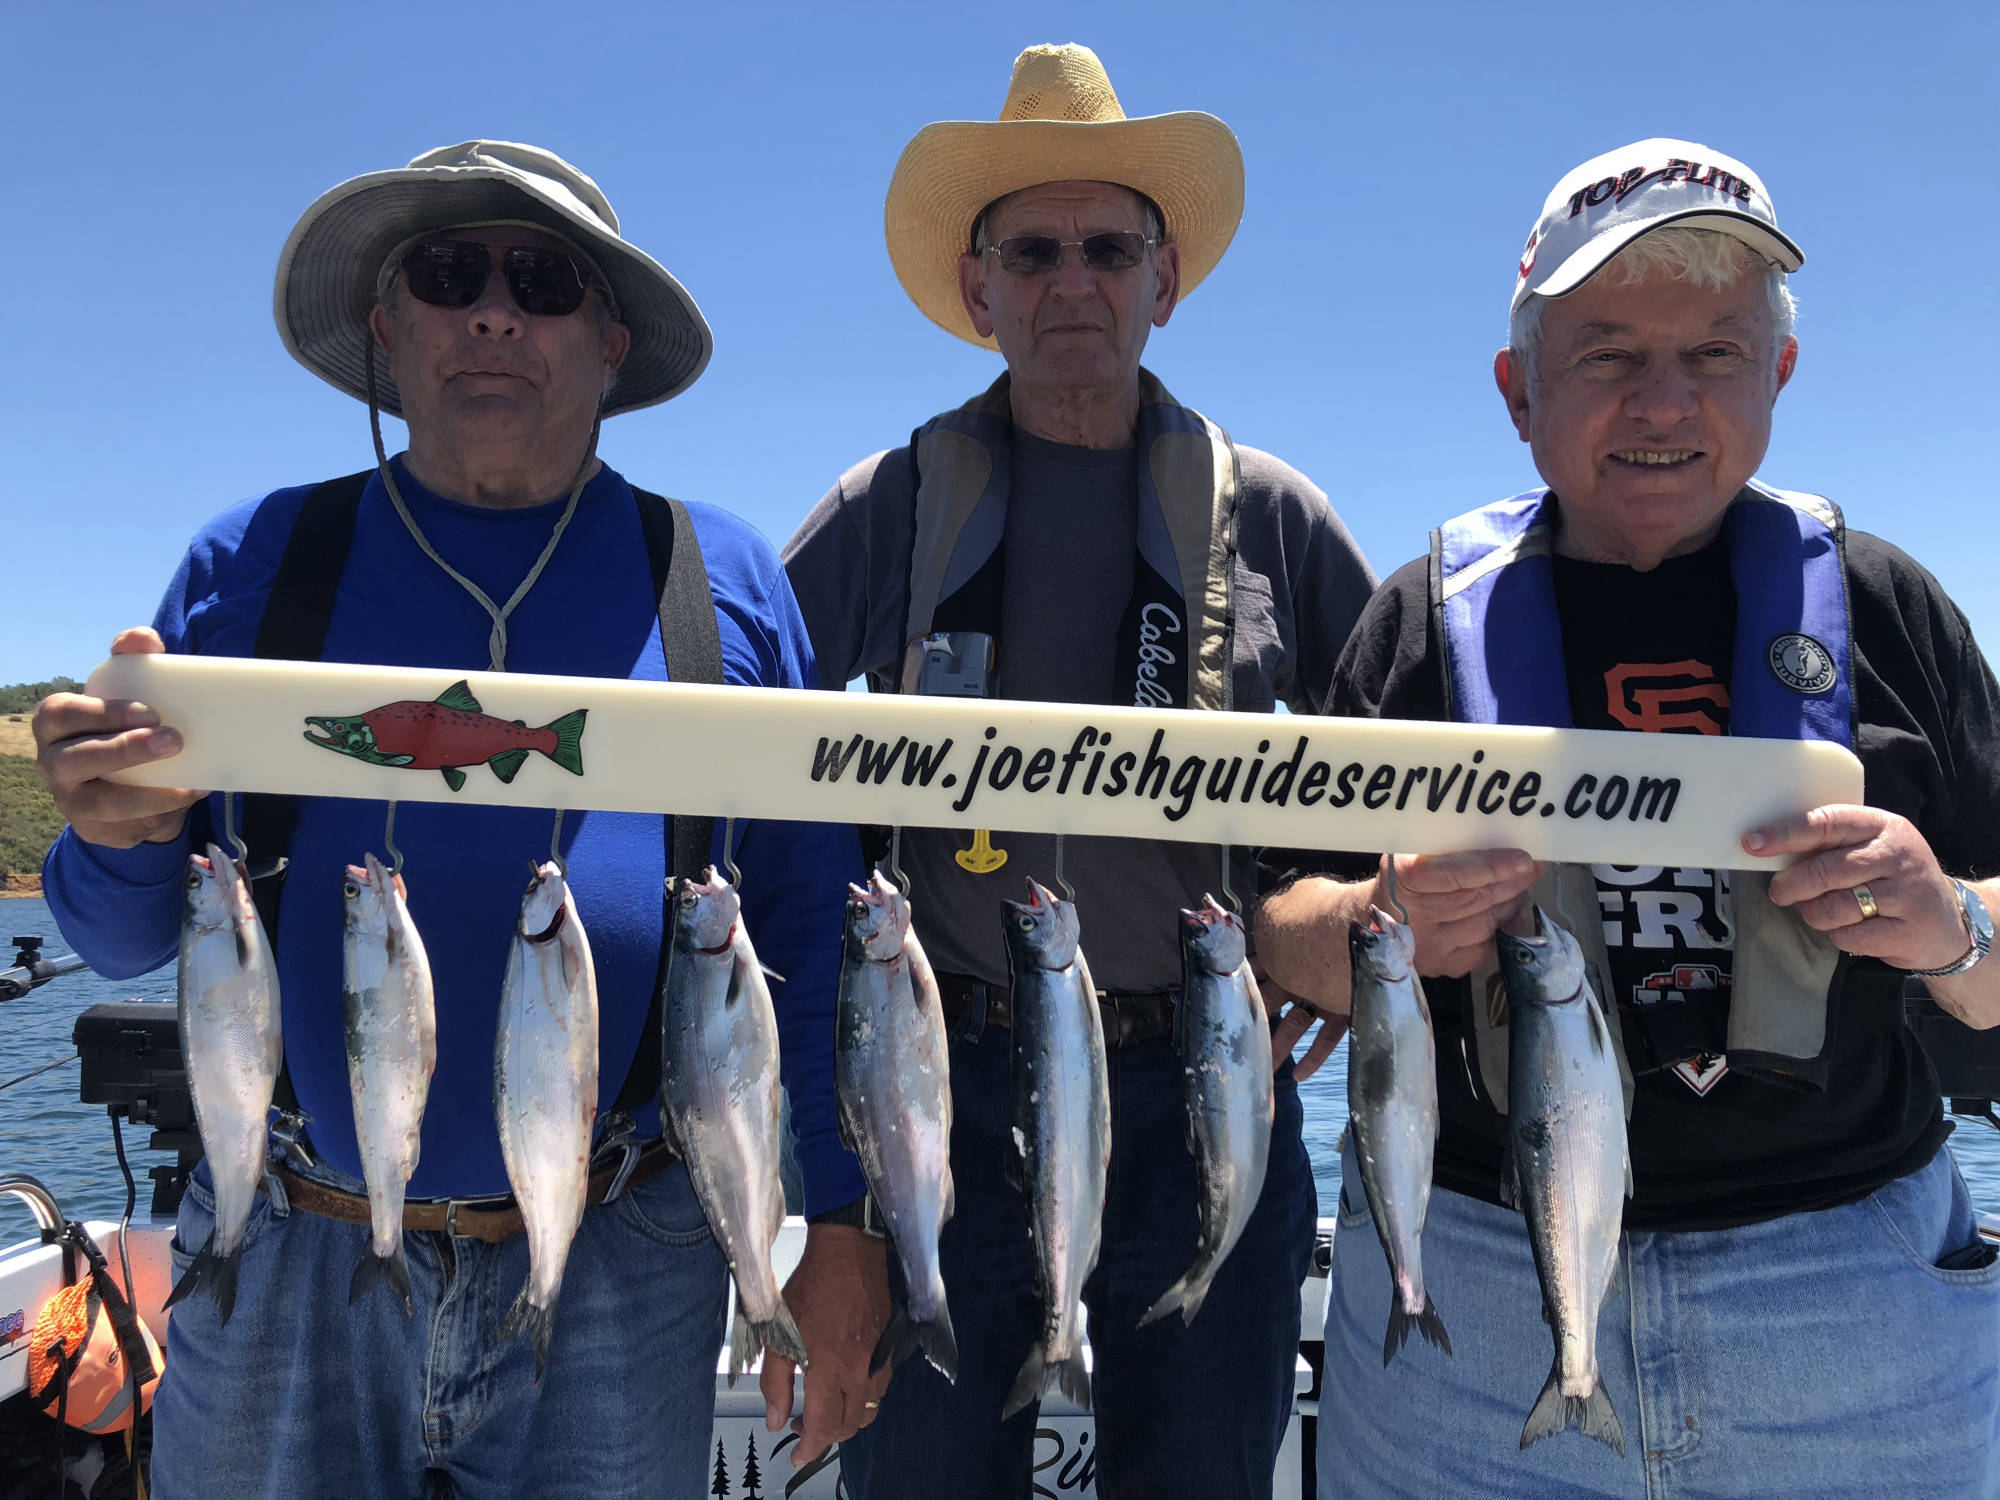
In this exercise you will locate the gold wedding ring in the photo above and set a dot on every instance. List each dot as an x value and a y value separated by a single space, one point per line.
870 1405
1865 899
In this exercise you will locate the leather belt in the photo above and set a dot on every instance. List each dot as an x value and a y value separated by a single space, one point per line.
489 1219
1130 1016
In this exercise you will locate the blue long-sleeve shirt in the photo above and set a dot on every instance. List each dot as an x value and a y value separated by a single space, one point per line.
592 613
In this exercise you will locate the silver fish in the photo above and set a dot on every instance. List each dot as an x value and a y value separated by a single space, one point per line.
1569 1166
892 1078
719 1102
231 1033
1226 1072
391 1050
545 1091
1062 1130
1393 1114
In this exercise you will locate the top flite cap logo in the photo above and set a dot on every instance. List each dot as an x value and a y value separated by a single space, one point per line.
1802 664
1618 188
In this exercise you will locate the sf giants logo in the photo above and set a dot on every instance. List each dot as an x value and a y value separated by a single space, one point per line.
1666 696
1619 188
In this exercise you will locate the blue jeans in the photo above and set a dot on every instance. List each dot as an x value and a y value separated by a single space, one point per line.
1180 1411
1819 1355
303 1395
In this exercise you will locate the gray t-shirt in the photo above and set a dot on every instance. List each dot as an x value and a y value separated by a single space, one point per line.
1072 523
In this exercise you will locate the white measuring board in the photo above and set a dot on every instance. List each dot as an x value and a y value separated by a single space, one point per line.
331 730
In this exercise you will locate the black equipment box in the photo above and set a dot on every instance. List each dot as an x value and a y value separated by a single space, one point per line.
131 1051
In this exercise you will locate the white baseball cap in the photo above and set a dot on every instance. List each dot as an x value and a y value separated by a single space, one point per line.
1602 206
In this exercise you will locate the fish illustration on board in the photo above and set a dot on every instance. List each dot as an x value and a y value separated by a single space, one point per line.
446 734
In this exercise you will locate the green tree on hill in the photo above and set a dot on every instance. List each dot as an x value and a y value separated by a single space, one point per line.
29 821
21 697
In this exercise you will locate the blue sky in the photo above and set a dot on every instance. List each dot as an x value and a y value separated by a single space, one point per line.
1396 158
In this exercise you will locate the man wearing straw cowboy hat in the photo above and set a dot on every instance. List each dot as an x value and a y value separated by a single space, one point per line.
483 293
1076 534
1800 1302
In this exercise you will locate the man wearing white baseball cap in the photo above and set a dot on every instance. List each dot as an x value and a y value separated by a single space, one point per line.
485 294
1075 534
1800 1302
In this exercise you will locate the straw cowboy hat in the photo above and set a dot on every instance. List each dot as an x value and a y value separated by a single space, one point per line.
328 268
1060 123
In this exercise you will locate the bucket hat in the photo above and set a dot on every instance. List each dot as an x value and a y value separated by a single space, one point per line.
327 271
1060 122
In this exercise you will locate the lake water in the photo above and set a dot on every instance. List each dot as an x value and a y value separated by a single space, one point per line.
46 1132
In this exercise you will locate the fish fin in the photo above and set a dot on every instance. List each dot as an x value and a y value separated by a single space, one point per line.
1510 1177
371 1268
568 752
1548 1314
194 1276
507 764
888 1348
534 1322
453 777
1628 1170
1016 1161
1591 1415
779 1336
771 973
1074 1379
397 760
212 1273
1341 1144
1426 1322
904 1336
459 696
1029 1384
1600 1034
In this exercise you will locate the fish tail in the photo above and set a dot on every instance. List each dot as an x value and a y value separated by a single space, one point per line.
1591 1415
1187 1294
904 1336
1074 1379
568 731
778 1335
1426 1322
214 1274
528 1318
371 1268
1030 1383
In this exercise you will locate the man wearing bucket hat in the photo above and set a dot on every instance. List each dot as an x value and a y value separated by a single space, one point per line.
1076 534
1802 1303
486 295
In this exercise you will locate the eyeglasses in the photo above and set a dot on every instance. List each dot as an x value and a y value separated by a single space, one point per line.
1034 254
453 273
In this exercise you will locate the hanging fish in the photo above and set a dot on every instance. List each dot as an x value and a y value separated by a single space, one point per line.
1393 1114
719 1102
1568 1166
1062 1130
391 1050
1226 1076
892 1077
545 1091
229 1018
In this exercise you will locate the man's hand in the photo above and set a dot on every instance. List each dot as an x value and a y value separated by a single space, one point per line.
81 740
1291 1017
1917 923
1455 902
839 1296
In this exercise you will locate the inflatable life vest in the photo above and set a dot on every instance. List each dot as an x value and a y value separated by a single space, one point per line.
1493 589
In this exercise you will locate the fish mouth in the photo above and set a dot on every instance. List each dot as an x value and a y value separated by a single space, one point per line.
319 731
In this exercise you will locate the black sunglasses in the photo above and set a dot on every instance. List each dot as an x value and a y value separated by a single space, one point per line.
1034 254
453 273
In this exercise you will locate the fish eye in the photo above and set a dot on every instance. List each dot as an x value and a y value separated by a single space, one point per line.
350 889
194 880
1025 922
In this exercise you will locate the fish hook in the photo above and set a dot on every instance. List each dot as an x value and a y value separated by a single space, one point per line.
239 850
1389 894
896 860
389 842
729 854
1068 893
555 847
1229 891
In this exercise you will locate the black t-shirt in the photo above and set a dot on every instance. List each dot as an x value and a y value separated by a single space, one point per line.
1651 651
